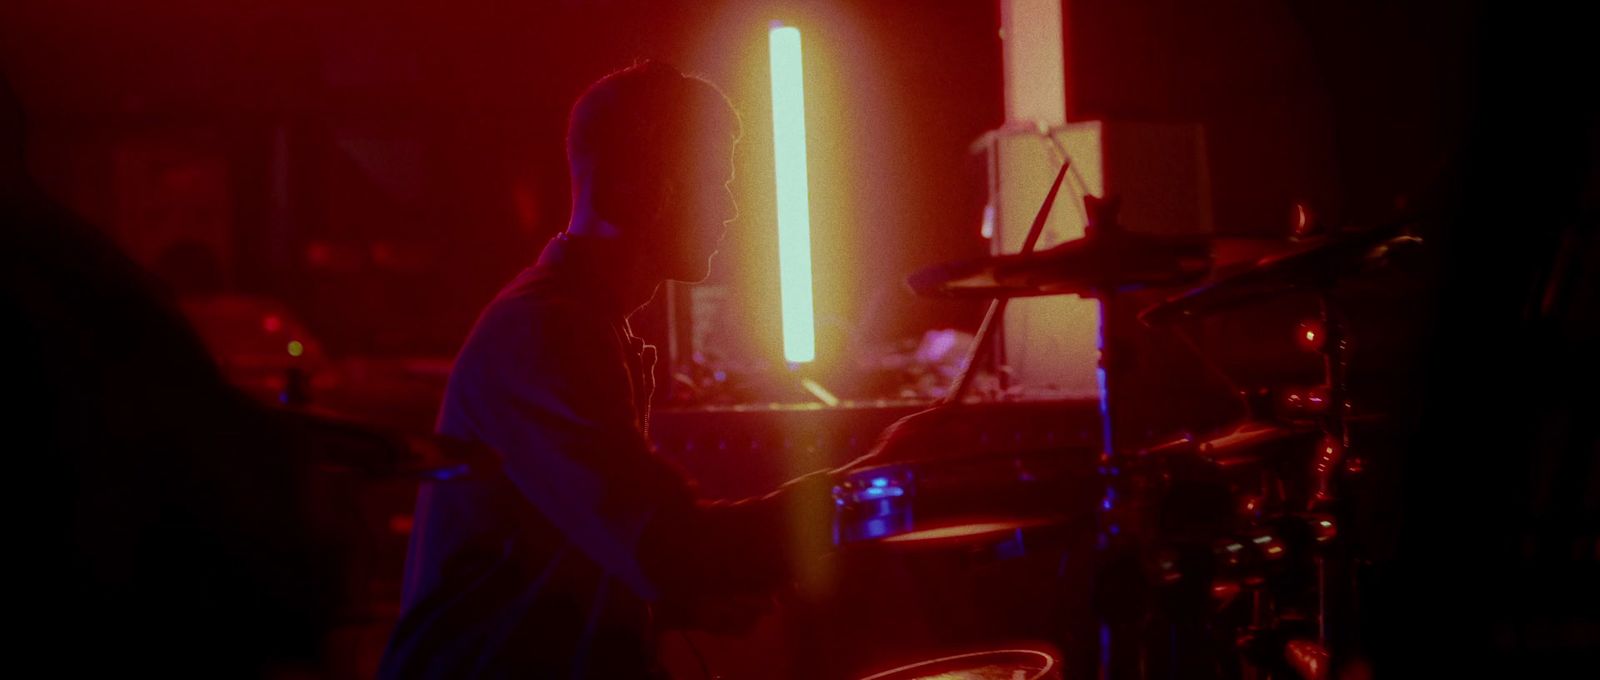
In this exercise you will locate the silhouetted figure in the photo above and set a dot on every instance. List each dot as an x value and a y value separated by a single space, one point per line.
166 521
556 567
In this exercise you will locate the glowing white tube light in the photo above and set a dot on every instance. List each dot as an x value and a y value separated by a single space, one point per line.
794 209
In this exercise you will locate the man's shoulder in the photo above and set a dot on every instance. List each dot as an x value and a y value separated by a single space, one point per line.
535 300
531 319
527 335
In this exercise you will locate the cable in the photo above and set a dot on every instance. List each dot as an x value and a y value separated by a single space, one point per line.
705 669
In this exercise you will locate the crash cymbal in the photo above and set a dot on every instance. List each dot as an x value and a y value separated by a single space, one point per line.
1308 264
1108 259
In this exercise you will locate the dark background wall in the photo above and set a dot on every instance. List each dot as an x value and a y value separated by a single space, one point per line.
384 166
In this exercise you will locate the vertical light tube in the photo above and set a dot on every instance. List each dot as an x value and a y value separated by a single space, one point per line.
794 202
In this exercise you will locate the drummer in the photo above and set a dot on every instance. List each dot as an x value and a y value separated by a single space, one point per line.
564 563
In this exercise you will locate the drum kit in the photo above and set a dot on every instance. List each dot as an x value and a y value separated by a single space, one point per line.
1214 555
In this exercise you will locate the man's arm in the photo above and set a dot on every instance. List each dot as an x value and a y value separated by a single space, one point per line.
548 389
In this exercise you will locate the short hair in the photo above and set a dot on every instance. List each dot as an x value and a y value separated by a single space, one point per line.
640 118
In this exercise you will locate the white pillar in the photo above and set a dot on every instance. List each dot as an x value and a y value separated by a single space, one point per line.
1035 66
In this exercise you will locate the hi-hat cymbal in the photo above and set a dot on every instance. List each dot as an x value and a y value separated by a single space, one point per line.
1243 442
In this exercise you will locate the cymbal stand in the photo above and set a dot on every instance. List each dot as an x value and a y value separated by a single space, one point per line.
997 307
1334 463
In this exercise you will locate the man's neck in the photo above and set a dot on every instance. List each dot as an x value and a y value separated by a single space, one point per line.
636 278
585 223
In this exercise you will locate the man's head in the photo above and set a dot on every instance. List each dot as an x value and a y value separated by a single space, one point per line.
650 152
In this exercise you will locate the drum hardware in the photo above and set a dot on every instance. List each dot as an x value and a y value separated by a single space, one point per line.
997 306
1109 260
1315 265
1239 525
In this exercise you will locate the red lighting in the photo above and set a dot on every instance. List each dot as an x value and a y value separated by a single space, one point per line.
383 253
271 323
319 253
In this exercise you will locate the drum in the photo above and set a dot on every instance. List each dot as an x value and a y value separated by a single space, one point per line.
1000 664
956 553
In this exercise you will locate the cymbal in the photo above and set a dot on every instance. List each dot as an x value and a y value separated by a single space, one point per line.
1314 264
1243 442
1107 259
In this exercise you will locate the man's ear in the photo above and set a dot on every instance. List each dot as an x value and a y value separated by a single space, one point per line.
628 200
656 198
667 193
